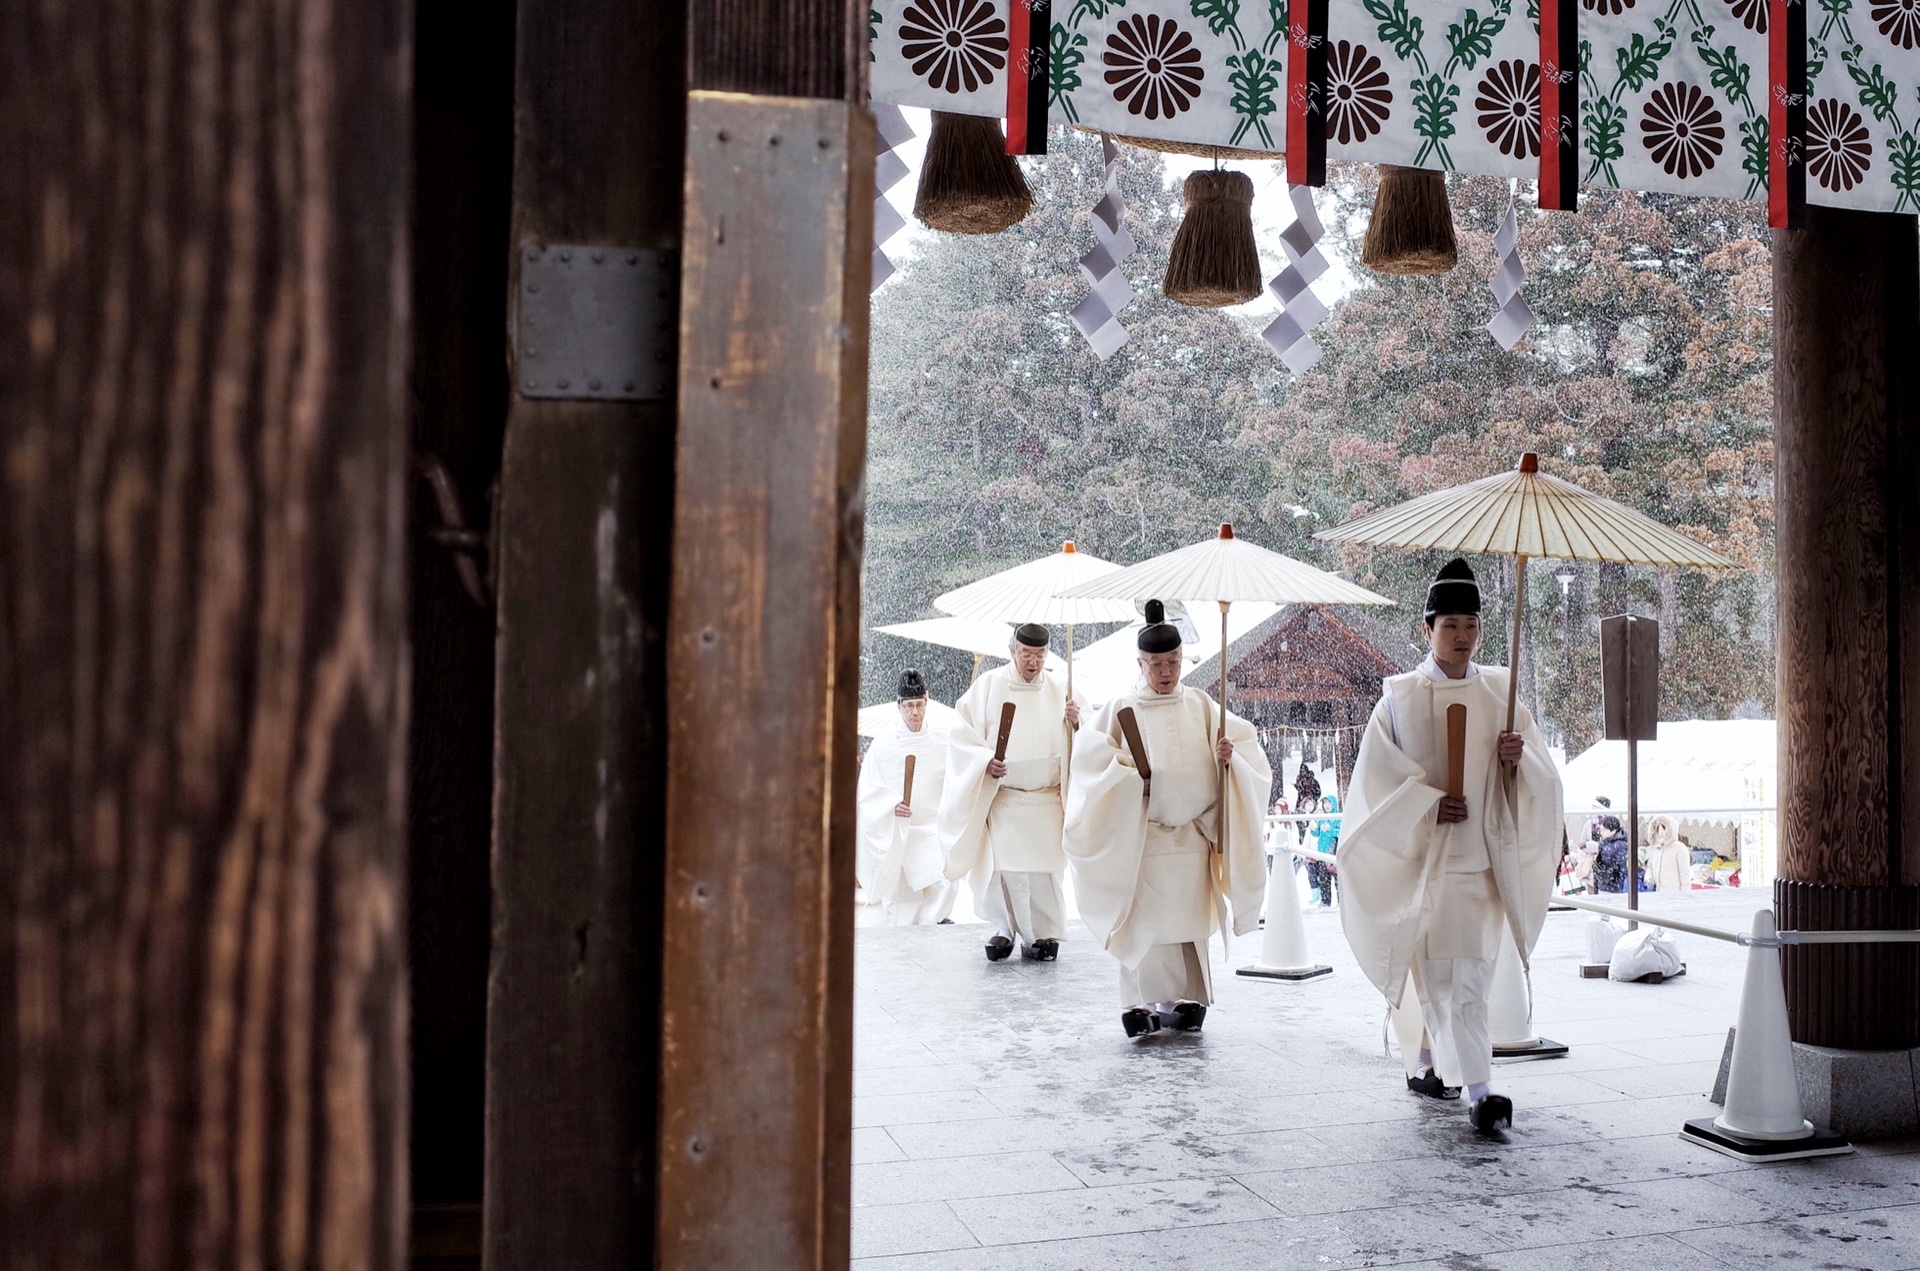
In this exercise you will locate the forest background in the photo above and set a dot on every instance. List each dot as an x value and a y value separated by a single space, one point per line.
996 434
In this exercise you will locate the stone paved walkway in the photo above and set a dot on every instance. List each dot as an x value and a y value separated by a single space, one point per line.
1002 1120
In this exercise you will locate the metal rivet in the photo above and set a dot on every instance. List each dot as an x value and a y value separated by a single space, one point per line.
533 353
725 135
708 637
598 257
628 388
715 381
702 892
565 384
533 287
533 253
532 384
696 1147
773 141
566 257
633 260
594 385
825 144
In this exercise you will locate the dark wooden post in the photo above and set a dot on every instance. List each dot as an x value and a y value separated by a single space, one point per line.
203 357
756 1072
586 508
1847 545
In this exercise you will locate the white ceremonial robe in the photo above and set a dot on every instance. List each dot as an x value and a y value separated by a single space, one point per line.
1423 903
1004 836
903 854
1150 886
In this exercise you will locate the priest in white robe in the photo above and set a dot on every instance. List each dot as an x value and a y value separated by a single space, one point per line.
1429 884
1001 819
1153 873
899 850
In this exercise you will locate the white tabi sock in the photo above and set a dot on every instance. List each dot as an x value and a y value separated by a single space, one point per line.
1477 1091
1425 1065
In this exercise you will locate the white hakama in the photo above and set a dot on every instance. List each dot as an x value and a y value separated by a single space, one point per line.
898 858
1003 836
1423 904
1150 884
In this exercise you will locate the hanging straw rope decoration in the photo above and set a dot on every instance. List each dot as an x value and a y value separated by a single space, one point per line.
1300 310
1098 316
888 171
1513 316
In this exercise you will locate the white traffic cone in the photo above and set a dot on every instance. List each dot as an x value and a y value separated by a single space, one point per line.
1761 1119
1283 947
1510 1009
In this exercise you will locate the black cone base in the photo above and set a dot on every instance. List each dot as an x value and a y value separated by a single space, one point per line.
1819 1143
1284 973
1542 1048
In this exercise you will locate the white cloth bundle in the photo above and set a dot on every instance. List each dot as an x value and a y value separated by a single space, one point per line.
1644 952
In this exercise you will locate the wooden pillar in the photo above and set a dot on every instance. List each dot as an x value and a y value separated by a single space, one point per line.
757 1021
1847 546
585 516
203 360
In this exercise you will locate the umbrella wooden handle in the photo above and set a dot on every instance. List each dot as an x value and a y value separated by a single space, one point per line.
1006 731
1456 751
906 794
1130 729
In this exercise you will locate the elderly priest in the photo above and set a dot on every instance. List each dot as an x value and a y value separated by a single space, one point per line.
1152 877
898 860
1000 819
1432 880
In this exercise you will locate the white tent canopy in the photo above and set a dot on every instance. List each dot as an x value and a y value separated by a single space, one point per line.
1697 765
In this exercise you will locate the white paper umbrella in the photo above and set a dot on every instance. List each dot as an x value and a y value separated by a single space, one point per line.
1226 569
982 639
1033 592
881 717
1524 514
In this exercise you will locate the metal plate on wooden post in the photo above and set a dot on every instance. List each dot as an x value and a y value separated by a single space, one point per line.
1630 677
596 322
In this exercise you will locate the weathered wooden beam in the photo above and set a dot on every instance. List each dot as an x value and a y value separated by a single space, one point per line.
1847 573
763 685
585 514
203 359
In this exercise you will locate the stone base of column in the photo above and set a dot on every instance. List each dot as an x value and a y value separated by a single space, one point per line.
1855 997
1862 1094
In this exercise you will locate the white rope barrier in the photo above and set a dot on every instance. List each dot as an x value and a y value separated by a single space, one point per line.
1742 938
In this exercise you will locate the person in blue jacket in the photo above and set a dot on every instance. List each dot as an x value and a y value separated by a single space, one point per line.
1326 833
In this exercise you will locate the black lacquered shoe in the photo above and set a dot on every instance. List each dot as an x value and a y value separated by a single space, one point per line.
1046 950
1492 1113
1189 1016
1429 1084
1139 1021
999 948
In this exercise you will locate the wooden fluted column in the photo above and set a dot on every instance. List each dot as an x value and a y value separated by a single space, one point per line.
1847 544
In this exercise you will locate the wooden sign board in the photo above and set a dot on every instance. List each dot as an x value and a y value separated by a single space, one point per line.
1630 677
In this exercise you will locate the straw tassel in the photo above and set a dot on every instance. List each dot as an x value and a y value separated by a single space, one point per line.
1214 261
1412 227
968 184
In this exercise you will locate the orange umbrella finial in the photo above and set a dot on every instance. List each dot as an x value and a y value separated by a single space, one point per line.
1226 530
1067 546
1529 462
